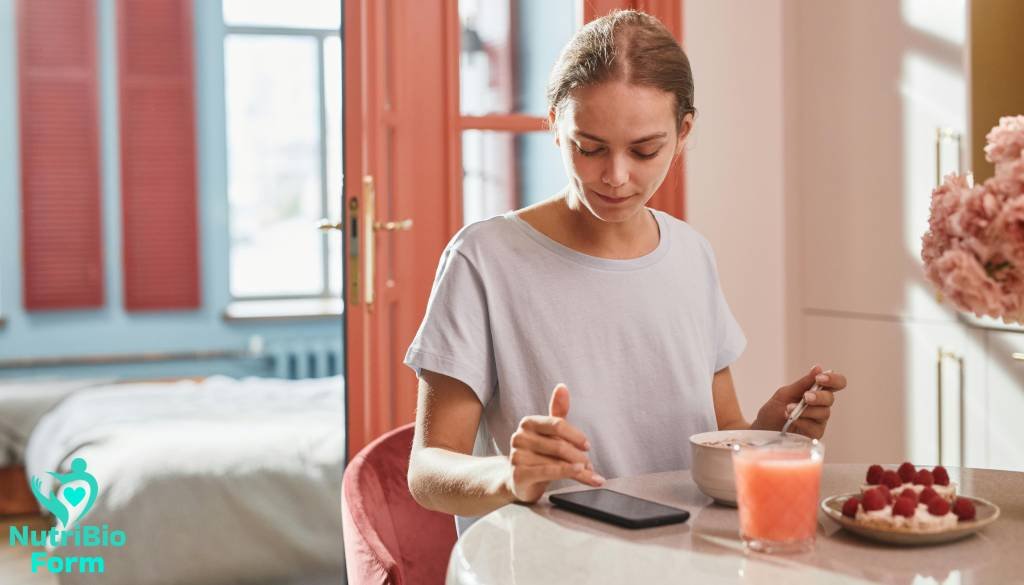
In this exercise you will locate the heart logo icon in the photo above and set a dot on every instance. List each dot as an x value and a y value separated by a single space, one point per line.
74 495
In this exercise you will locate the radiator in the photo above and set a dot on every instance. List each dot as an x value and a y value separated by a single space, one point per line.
305 358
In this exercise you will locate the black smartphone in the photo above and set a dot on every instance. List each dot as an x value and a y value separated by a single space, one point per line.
620 509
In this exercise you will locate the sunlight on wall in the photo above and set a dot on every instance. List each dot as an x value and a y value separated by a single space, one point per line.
941 18
933 95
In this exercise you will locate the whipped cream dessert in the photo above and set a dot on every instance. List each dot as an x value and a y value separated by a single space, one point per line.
908 499
921 521
948 492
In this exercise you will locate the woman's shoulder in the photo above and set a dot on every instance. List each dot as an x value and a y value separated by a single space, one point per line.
482 236
680 231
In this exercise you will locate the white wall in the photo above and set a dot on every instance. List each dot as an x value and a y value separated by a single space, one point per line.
736 180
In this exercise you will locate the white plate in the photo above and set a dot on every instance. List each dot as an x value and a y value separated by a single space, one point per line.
986 513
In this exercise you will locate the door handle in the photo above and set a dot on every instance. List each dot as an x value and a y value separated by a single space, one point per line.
326 225
370 254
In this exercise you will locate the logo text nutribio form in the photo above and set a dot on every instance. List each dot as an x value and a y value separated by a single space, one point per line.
70 499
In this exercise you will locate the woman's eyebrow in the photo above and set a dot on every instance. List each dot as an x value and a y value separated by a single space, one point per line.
647 138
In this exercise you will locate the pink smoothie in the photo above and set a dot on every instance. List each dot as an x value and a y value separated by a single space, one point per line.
777 494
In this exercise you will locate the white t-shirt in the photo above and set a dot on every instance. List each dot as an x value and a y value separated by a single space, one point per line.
512 313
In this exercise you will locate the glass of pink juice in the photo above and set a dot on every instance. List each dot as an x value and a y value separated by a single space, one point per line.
777 489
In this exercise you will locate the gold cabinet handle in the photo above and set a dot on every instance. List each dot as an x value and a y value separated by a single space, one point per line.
947 135
959 359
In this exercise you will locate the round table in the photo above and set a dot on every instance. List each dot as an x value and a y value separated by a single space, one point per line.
541 544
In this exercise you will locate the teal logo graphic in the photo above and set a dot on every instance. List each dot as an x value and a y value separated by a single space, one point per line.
69 500
73 498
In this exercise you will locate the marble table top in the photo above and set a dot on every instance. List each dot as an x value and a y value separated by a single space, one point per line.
541 544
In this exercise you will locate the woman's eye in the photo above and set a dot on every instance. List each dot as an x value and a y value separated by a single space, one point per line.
646 155
586 152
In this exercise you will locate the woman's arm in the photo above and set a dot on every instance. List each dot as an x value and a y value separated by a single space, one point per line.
445 476
443 473
727 406
774 412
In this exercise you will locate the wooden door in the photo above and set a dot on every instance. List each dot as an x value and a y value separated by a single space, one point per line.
405 170
395 171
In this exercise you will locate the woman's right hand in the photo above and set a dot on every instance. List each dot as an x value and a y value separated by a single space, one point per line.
547 448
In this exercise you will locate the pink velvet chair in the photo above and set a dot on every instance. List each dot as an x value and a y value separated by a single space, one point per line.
389 538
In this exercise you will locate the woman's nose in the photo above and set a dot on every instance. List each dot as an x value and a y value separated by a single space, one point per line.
616 174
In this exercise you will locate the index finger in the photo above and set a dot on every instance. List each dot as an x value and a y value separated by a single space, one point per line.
834 381
553 426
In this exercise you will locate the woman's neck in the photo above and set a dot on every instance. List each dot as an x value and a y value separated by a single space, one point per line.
566 220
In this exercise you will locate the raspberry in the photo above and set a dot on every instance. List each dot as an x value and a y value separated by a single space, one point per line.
927 494
904 507
938 507
891 479
875 474
924 477
884 490
941 475
909 494
850 507
964 509
873 500
907 472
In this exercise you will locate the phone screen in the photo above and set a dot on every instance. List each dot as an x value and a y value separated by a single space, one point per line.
605 504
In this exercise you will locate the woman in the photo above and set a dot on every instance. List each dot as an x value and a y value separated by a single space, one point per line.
591 291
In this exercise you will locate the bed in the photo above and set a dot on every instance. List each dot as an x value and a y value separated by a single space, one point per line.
212 482
22 404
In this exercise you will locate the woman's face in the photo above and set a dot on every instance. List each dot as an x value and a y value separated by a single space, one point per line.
618 141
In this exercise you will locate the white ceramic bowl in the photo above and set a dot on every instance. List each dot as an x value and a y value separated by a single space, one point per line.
712 464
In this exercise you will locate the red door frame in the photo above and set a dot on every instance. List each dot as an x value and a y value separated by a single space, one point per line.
403 126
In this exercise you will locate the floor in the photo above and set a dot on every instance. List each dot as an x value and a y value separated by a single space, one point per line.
14 560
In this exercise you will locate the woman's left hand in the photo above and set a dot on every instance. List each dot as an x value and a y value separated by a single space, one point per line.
819 403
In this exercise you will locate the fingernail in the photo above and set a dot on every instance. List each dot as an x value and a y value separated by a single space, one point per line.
597 478
809 396
586 445
789 408
577 467
821 378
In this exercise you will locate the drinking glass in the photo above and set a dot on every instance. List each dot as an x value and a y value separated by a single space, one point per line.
777 488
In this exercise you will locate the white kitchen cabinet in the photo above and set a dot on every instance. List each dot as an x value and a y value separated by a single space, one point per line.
890 411
1005 380
874 81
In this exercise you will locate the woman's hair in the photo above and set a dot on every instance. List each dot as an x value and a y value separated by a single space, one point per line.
625 45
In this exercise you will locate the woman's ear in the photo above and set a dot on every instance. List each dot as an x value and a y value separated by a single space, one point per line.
553 124
684 130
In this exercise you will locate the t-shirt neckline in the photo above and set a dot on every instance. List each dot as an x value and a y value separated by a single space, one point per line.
593 261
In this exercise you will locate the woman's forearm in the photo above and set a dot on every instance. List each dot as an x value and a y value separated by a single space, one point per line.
459 484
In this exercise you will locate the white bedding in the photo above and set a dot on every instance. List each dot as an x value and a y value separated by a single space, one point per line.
223 481
22 403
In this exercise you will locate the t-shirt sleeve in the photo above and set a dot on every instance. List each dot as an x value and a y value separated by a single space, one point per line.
454 338
729 338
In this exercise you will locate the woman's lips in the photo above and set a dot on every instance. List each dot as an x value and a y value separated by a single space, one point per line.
613 200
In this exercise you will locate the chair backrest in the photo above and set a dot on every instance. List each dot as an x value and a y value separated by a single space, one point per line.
389 538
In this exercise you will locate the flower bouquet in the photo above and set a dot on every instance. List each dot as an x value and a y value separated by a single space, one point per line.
973 250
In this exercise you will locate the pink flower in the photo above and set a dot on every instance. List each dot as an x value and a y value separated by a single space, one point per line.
965 282
973 250
1005 141
1009 228
1008 180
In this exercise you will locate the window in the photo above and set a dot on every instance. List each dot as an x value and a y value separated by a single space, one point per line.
507 50
282 63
